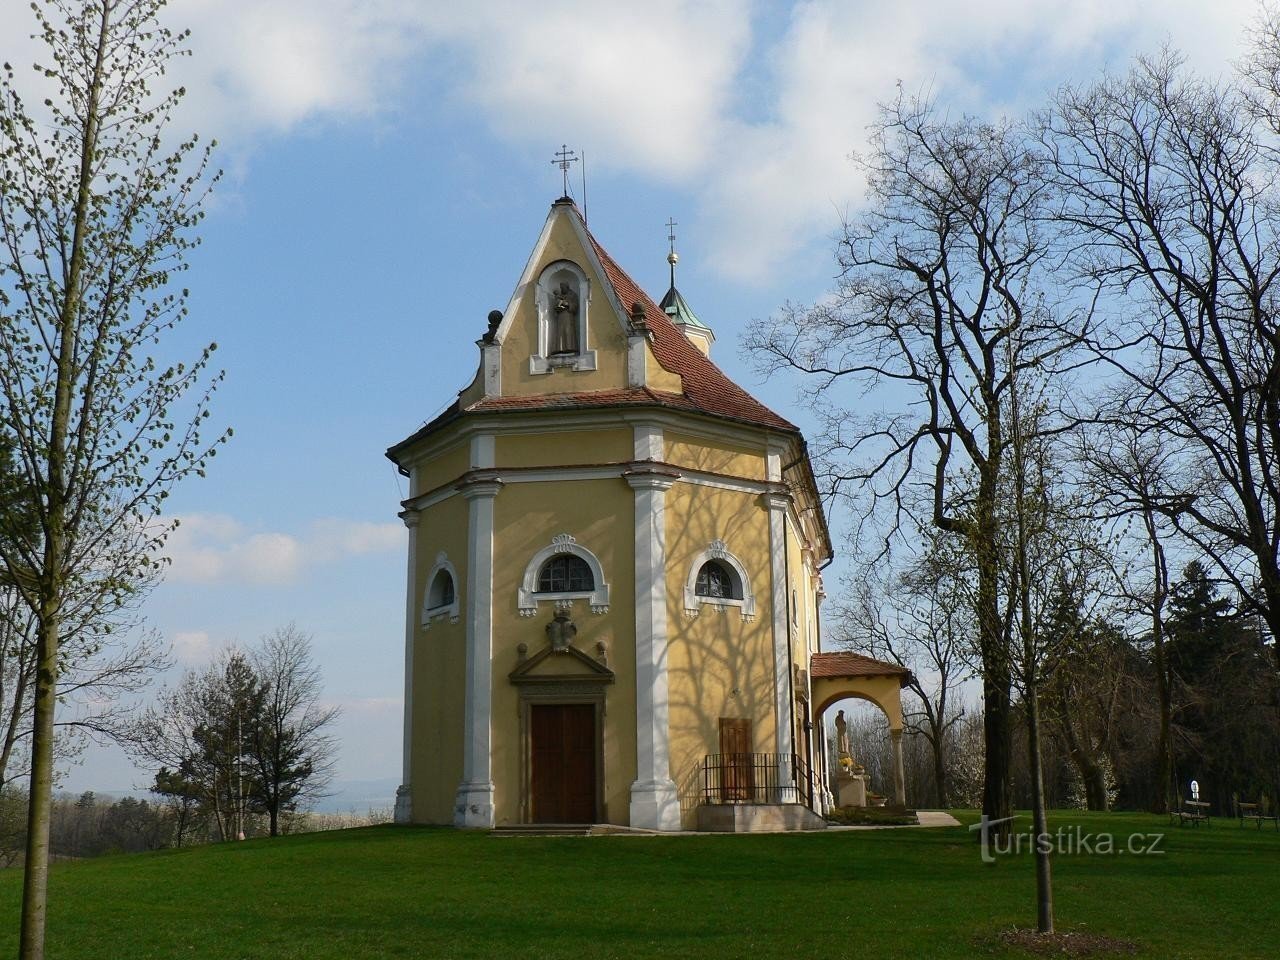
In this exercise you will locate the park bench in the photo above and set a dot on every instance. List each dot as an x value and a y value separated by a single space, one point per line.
1256 811
1194 812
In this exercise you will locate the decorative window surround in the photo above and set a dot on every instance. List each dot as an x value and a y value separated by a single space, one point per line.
543 361
450 610
693 602
528 597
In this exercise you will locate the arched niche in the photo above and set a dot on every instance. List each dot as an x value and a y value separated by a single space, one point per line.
562 282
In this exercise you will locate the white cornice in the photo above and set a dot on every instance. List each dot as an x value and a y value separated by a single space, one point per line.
751 438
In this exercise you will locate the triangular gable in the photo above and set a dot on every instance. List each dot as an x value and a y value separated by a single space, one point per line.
553 666
569 212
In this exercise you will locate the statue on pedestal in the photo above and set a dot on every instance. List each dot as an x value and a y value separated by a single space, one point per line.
842 736
844 755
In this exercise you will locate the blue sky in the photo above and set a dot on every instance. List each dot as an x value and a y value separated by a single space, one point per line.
387 171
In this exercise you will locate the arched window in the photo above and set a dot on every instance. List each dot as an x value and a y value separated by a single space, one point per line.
565 573
718 582
442 592
718 578
563 570
441 597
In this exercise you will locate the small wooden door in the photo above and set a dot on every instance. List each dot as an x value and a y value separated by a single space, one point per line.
563 754
737 776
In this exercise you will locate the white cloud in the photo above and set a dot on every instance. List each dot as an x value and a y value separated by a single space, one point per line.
191 646
752 110
213 548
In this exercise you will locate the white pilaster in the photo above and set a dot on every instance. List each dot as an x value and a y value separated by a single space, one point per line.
777 503
655 804
647 441
404 794
473 806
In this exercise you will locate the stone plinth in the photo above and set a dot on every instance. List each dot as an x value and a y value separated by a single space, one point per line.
851 789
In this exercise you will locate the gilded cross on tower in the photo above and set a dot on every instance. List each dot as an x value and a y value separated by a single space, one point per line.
564 157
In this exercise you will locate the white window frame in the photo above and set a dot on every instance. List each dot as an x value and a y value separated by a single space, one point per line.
431 614
584 359
528 597
694 602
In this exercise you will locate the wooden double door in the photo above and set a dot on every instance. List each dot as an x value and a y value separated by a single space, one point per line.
737 770
563 746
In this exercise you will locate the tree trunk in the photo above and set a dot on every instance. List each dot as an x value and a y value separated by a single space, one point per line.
1092 775
1043 844
996 673
52 581
1164 746
939 772
35 878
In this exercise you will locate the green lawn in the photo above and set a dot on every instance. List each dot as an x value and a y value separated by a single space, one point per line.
417 892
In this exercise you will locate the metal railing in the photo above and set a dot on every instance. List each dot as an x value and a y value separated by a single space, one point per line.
756 778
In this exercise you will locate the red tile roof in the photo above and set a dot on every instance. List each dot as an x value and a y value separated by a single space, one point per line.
846 663
705 385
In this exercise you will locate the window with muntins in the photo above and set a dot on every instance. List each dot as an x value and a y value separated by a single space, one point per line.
565 573
717 582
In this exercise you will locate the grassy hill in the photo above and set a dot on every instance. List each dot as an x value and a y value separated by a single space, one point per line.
418 892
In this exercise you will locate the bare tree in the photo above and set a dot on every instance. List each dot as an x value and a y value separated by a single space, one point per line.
1170 184
292 749
245 734
943 268
922 620
1124 470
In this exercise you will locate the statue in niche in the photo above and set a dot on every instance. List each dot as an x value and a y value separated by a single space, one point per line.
560 632
562 337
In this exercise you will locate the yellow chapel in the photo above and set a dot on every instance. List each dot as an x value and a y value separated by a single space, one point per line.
614 577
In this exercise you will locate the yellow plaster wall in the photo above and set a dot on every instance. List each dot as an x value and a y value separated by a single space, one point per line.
614 445
718 665
448 465
714 456
605 333
658 377
439 669
600 515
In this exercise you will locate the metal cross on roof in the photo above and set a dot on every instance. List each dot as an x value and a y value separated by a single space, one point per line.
672 257
564 157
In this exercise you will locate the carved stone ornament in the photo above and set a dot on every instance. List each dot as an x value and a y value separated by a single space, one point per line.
560 633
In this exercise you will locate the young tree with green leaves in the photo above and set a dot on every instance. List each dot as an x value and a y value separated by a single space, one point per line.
98 208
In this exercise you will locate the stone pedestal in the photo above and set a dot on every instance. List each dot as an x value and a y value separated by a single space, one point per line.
851 789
